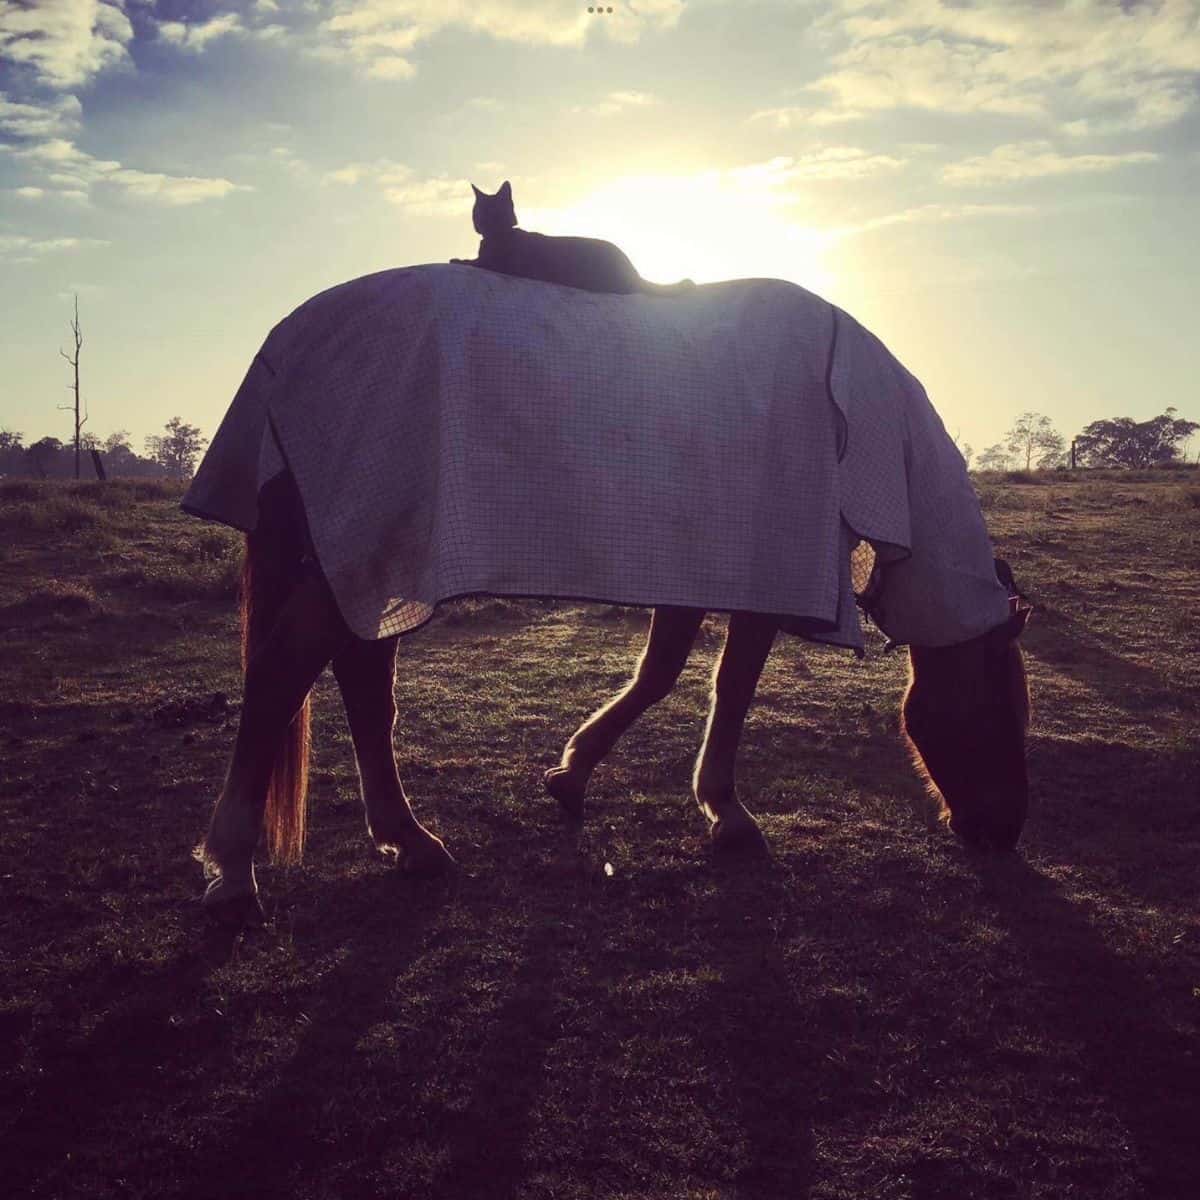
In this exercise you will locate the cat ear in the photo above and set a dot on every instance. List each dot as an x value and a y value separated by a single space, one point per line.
505 190
477 192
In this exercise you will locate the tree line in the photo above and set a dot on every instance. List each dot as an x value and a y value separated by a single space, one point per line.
173 454
1033 442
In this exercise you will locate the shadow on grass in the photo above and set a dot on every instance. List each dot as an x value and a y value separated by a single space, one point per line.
292 1126
1134 788
167 1041
1145 1069
486 1140
1069 647
130 1060
760 1041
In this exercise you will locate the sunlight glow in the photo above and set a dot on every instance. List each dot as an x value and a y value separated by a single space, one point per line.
706 227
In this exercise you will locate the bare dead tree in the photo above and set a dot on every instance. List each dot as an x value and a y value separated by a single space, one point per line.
79 423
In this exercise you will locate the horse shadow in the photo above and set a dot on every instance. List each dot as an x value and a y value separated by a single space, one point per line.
1134 1055
1065 644
134 1053
458 1094
170 1043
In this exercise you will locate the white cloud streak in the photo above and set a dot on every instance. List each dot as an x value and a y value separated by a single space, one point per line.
74 172
15 247
402 186
379 36
64 42
39 119
926 214
197 35
1018 161
825 164
1089 66
615 102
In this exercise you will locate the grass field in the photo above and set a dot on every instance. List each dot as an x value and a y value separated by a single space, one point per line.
874 1014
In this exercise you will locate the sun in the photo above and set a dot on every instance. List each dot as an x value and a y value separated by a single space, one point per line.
708 226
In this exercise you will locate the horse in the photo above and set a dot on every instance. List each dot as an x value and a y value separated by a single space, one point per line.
964 715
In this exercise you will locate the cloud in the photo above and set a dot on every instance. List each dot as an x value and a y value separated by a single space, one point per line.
379 35
39 119
907 72
1088 67
824 164
934 214
798 115
402 186
74 172
290 161
1034 160
198 34
21 248
64 42
616 102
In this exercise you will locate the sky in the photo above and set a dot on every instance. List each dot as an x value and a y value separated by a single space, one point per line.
1005 193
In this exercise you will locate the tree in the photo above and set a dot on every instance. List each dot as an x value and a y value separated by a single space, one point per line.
994 458
964 448
75 386
42 454
119 454
177 450
1124 442
1033 434
12 451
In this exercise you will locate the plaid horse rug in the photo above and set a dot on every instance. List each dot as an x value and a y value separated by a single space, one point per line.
746 445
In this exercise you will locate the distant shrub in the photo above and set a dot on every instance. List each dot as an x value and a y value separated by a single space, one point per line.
154 489
103 495
211 543
55 600
16 491
199 580
54 512
1021 477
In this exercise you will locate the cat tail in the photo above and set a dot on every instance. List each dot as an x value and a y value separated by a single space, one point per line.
666 289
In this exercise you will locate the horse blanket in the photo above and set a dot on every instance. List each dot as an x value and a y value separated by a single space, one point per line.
454 431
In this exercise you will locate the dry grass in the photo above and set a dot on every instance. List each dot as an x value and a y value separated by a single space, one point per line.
874 1015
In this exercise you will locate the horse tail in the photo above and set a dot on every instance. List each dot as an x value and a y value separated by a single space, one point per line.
271 570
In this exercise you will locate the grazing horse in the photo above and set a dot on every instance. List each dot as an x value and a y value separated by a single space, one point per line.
964 715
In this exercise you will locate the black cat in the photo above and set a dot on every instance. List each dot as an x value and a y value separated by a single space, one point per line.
587 263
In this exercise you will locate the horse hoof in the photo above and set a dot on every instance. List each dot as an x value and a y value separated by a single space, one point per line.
236 913
740 840
430 862
567 790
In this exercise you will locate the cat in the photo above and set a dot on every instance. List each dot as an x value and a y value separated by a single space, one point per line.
578 262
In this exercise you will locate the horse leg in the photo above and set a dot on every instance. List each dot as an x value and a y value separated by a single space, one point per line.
672 634
365 672
279 676
747 644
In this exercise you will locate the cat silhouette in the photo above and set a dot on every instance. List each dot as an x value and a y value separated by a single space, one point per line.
578 262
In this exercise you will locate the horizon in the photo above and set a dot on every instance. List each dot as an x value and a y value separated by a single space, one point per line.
1004 194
